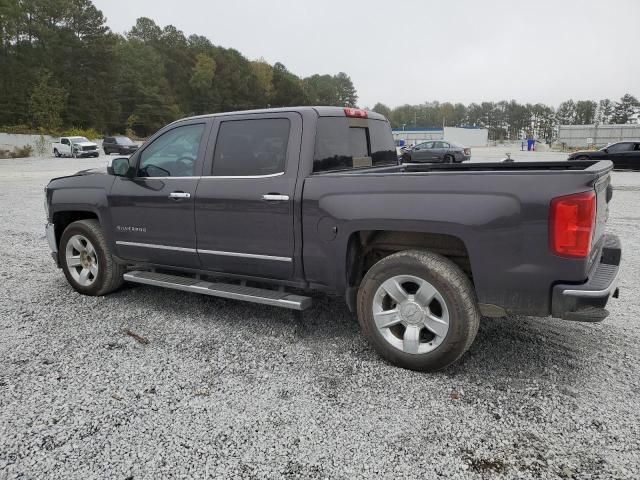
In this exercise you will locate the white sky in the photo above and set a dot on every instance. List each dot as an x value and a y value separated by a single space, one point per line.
411 51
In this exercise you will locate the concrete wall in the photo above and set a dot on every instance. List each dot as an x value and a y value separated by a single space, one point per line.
588 135
10 140
467 137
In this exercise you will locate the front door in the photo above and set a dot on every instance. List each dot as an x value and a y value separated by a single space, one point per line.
245 200
422 152
153 213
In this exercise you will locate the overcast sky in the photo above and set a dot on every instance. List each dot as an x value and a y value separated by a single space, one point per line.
413 51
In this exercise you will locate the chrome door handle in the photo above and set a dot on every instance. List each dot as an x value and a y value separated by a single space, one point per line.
275 198
179 195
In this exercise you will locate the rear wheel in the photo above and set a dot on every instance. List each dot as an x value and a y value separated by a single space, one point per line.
56 153
87 260
418 310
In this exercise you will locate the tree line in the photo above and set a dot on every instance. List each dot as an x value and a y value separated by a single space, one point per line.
61 66
510 120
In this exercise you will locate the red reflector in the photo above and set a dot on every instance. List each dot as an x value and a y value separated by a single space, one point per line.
571 224
355 112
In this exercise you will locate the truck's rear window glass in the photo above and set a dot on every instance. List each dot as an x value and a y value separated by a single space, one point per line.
251 147
340 146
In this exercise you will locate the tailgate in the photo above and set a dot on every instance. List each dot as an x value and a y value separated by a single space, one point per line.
604 193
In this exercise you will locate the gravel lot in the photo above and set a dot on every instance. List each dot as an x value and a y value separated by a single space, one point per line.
224 389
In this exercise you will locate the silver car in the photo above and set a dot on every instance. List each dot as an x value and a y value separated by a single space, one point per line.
437 151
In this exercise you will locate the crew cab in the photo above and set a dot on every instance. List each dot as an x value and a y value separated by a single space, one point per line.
75 147
270 205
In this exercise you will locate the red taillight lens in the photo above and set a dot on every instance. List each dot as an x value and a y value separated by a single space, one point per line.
355 112
571 223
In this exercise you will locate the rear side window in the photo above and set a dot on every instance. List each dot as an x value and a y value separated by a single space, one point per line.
341 146
251 147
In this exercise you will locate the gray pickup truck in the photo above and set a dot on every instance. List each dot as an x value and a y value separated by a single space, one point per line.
269 205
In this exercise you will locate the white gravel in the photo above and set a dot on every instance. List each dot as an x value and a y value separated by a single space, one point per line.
231 390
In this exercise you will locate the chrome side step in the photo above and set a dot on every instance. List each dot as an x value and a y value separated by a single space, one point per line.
275 298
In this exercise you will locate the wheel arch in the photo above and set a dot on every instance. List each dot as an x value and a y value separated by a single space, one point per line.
367 247
63 218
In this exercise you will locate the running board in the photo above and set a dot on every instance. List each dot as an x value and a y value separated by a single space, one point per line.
264 296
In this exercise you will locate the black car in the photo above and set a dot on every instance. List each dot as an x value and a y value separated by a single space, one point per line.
624 155
119 145
437 152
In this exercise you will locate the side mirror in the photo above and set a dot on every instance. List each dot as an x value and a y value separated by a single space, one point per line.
118 167
606 150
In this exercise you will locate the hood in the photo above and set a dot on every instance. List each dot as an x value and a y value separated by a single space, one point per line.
85 144
83 173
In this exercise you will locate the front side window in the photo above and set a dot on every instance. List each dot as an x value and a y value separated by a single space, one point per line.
172 154
251 147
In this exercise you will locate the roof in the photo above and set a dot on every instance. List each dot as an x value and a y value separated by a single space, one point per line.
321 111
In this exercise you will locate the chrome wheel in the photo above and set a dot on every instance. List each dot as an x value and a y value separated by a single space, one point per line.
82 260
410 314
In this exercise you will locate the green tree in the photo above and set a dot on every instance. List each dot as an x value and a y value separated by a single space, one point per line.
585 112
264 77
347 95
382 109
625 110
566 113
47 103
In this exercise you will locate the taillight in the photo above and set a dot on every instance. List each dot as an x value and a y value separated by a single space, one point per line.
355 112
571 224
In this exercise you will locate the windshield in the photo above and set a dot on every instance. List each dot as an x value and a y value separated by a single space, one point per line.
79 139
124 140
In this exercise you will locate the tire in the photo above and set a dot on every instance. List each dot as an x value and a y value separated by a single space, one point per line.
448 159
106 152
56 153
454 301
107 275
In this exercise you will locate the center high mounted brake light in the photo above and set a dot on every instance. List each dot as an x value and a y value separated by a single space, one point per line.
571 224
355 113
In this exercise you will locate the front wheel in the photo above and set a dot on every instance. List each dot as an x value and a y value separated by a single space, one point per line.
418 310
448 159
87 260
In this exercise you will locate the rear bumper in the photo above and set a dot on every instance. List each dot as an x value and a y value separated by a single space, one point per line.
586 302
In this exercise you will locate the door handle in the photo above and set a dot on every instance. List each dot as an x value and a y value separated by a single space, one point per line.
275 197
178 195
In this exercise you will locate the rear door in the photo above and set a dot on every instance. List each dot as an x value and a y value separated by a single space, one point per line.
440 149
153 213
245 200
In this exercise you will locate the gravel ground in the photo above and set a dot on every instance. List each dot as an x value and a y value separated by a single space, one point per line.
212 387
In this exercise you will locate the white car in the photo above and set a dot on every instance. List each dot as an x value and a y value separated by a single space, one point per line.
75 147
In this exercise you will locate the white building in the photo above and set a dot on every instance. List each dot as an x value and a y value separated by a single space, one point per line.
466 136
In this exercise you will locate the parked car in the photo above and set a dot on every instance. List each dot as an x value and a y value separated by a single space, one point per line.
249 205
437 151
119 145
75 147
624 155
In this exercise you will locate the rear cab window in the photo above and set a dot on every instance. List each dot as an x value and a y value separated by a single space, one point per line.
344 143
